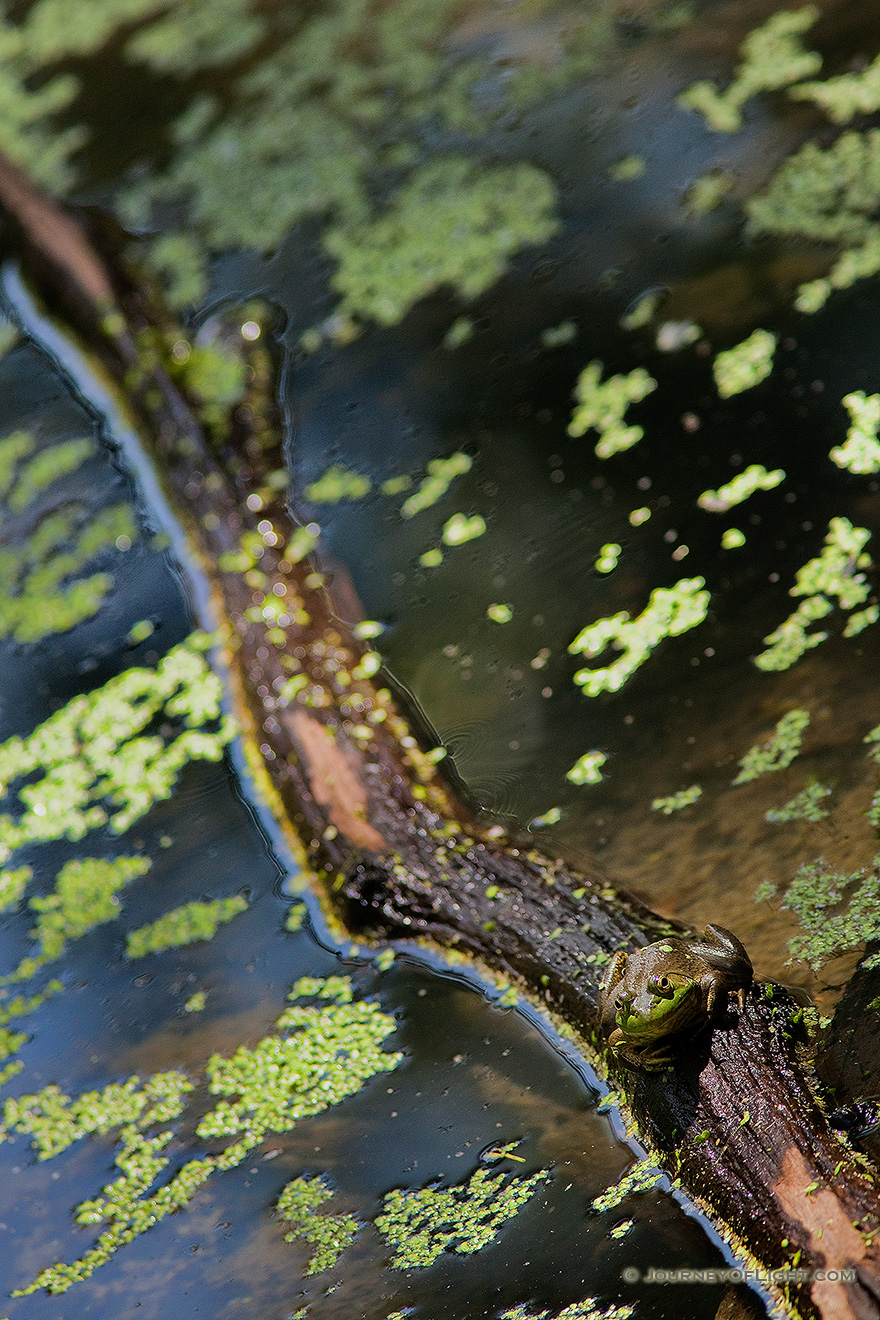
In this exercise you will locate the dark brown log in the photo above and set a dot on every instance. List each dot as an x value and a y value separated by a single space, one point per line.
738 1122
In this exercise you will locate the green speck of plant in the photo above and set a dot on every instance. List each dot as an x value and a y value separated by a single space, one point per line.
441 474
778 752
670 612
196 1003
707 192
431 558
640 1178
587 769
329 1234
140 631
384 959
732 539
184 925
459 529
627 169
805 805
833 574
547 818
318 1056
766 890
753 478
601 406
90 763
499 613
745 365
421 1225
608 557
622 1229
861 451
640 516
295 917
461 330
338 483
86 895
846 96
454 222
557 336
588 1309
685 797
643 310
773 57
837 912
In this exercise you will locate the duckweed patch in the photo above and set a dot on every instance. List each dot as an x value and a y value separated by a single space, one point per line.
773 57
602 405
322 1053
805 805
779 751
338 483
329 1234
860 453
838 912
421 1225
640 1178
831 575
86 895
12 886
707 192
89 764
844 97
454 222
587 769
440 476
588 1309
184 925
670 612
43 552
745 365
685 797
753 478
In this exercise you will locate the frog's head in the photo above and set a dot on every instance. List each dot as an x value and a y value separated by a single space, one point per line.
659 1007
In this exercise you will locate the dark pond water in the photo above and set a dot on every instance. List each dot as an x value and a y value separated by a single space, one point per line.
501 698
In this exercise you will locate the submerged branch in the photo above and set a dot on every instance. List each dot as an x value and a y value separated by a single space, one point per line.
396 855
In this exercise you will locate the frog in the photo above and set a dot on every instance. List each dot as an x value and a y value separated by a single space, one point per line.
674 986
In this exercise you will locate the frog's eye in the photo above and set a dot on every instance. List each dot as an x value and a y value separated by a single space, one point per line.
661 985
618 1003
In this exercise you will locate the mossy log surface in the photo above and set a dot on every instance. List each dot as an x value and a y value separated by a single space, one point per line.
738 1121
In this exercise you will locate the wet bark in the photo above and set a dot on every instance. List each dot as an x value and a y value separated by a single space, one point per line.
395 852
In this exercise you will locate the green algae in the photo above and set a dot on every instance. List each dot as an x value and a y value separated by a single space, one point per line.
670 612
86 766
461 330
627 169
587 769
685 797
777 752
461 528
732 539
773 57
454 222
745 365
86 895
642 1177
805 805
440 476
336 484
421 1225
184 925
608 557
322 1053
753 478
295 917
196 1002
329 1234
29 132
602 405
499 613
860 453
830 576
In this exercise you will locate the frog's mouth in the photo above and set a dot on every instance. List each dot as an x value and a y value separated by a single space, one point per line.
670 995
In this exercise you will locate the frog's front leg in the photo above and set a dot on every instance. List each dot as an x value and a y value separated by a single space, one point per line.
652 1057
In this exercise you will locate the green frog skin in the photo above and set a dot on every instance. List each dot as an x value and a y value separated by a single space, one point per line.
668 988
